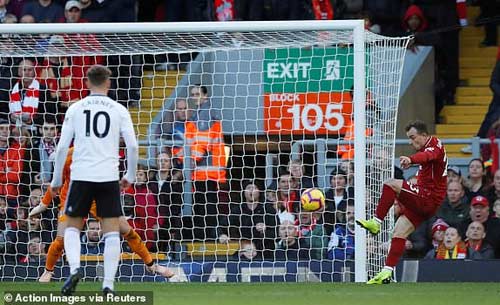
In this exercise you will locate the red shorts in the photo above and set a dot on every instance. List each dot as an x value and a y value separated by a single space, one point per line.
416 204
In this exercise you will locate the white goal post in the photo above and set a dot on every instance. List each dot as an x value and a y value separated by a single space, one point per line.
363 64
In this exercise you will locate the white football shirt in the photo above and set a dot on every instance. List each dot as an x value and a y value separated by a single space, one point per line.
96 124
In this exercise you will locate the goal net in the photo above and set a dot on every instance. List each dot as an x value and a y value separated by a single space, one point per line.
235 121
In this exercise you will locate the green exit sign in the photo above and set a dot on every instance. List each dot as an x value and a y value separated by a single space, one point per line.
316 69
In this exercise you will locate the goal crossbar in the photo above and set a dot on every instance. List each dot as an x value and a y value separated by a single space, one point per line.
180 27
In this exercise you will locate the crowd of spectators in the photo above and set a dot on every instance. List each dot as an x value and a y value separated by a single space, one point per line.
267 220
466 224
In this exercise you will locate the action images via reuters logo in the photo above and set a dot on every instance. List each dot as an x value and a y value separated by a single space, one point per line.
52 297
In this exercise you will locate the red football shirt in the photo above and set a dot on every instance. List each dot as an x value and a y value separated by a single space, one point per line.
432 173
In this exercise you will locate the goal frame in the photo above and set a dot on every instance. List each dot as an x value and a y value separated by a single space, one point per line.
359 90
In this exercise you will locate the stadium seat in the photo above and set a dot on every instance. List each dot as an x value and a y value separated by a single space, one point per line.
210 249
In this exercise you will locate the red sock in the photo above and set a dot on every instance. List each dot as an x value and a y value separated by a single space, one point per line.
385 202
395 252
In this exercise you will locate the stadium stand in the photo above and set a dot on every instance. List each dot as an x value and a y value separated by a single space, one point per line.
463 119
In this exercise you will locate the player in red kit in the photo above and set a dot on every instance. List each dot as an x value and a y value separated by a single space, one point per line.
419 201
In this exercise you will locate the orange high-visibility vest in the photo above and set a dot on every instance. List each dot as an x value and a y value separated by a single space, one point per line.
346 151
207 151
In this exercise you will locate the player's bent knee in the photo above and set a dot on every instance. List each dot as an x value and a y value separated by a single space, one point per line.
395 184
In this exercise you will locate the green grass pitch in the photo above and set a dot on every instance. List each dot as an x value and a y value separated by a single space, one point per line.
297 293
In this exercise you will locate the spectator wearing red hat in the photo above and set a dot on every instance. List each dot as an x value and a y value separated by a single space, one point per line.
455 208
475 241
480 211
437 232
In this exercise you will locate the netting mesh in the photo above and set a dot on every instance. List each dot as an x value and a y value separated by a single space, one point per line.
233 128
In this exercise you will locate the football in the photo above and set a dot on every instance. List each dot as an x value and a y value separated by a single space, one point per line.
312 200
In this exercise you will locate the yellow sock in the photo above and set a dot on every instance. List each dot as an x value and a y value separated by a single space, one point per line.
55 252
135 243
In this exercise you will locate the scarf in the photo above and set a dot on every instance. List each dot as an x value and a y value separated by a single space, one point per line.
224 10
477 247
29 102
289 201
49 147
322 9
458 252
305 230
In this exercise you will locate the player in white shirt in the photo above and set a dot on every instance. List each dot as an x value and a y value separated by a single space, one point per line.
95 125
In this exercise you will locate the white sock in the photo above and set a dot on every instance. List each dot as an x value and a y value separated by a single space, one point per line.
72 247
377 220
111 258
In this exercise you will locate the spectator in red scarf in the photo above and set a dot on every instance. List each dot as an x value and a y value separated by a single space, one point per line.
475 241
452 247
313 233
42 154
223 10
322 9
287 194
28 98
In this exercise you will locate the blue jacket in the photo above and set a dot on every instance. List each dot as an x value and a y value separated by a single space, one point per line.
341 245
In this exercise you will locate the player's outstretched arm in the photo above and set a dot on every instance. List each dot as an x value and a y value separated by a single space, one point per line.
39 209
428 155
44 203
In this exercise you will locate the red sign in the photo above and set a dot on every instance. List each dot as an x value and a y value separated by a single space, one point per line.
307 113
